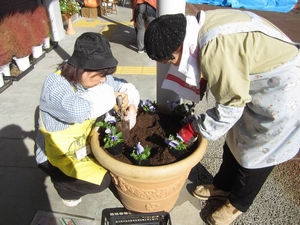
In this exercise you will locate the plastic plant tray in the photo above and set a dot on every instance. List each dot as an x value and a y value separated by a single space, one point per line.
118 216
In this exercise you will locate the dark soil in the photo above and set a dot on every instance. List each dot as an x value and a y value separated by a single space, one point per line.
151 130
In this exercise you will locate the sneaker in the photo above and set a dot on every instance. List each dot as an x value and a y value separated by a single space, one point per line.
205 192
71 203
224 215
141 51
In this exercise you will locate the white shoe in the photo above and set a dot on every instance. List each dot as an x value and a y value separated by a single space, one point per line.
141 51
71 203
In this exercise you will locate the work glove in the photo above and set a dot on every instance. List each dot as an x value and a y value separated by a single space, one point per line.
124 102
188 134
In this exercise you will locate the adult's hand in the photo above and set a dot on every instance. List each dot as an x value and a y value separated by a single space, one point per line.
188 134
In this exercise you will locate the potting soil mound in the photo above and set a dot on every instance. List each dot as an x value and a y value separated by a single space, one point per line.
152 130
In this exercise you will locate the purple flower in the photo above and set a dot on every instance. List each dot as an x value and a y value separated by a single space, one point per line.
147 105
144 103
151 108
176 142
109 118
114 138
148 102
108 131
173 143
172 105
179 137
139 148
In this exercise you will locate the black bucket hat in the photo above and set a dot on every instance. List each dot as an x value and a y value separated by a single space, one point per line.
92 51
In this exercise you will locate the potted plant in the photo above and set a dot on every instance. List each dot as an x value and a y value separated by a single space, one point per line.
112 139
141 155
69 8
22 41
176 145
7 49
148 106
40 28
154 188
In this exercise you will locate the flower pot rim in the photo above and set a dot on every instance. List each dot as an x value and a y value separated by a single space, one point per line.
144 173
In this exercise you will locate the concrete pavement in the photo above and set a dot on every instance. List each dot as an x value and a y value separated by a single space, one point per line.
25 189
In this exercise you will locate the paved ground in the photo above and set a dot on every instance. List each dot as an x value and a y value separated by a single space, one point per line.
25 189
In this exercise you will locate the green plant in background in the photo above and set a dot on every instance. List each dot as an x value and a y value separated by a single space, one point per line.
40 25
140 153
7 37
69 7
20 26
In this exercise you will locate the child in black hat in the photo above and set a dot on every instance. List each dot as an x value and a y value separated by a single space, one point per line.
71 100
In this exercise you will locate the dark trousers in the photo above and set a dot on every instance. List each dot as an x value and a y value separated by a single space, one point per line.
243 184
70 188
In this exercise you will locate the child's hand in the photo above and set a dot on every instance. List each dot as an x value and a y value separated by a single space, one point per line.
131 117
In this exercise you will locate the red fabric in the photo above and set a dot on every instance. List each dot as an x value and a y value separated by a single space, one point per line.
187 133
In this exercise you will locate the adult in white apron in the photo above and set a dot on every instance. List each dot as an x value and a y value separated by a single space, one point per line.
253 71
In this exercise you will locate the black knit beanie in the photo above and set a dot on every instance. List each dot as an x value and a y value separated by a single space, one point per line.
164 35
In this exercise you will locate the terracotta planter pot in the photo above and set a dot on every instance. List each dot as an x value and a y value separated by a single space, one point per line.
148 189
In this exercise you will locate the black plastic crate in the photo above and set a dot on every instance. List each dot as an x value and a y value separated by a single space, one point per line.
118 216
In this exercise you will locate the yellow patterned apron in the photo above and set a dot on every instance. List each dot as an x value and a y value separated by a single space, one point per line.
61 148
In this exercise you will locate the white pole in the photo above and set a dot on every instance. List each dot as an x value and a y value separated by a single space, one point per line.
163 95
57 26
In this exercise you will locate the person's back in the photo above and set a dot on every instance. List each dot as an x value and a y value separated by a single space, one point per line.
144 11
136 2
